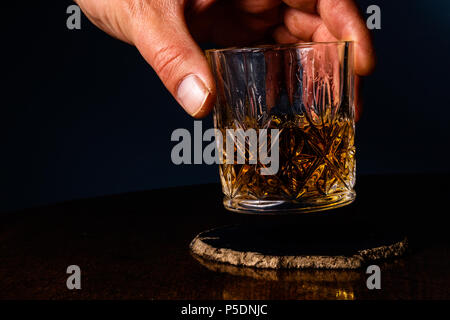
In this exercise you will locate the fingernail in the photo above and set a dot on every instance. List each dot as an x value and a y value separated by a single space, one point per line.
192 94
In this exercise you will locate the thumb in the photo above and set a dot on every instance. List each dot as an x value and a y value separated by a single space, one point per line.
164 41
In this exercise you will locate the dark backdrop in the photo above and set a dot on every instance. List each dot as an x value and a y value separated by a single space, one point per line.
83 115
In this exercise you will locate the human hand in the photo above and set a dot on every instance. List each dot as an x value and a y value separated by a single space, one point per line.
167 33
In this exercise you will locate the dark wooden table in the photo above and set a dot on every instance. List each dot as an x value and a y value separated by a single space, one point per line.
135 246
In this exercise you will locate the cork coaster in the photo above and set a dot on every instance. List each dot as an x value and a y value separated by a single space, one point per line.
291 247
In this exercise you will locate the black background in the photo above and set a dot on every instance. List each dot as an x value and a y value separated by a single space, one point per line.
83 115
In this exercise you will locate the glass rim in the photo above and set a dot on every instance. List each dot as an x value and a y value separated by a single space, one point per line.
277 46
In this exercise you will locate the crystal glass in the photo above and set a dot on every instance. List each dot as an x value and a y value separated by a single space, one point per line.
299 98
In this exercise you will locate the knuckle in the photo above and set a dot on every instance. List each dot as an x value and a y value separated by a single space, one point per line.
167 60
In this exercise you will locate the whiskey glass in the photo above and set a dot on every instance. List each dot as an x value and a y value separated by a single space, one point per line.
301 96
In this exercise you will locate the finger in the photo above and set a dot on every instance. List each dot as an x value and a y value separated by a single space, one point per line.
301 24
162 37
282 35
343 20
340 20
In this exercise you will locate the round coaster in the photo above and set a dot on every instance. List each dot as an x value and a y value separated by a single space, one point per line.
290 246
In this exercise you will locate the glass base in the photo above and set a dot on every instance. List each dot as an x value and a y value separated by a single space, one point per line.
306 205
